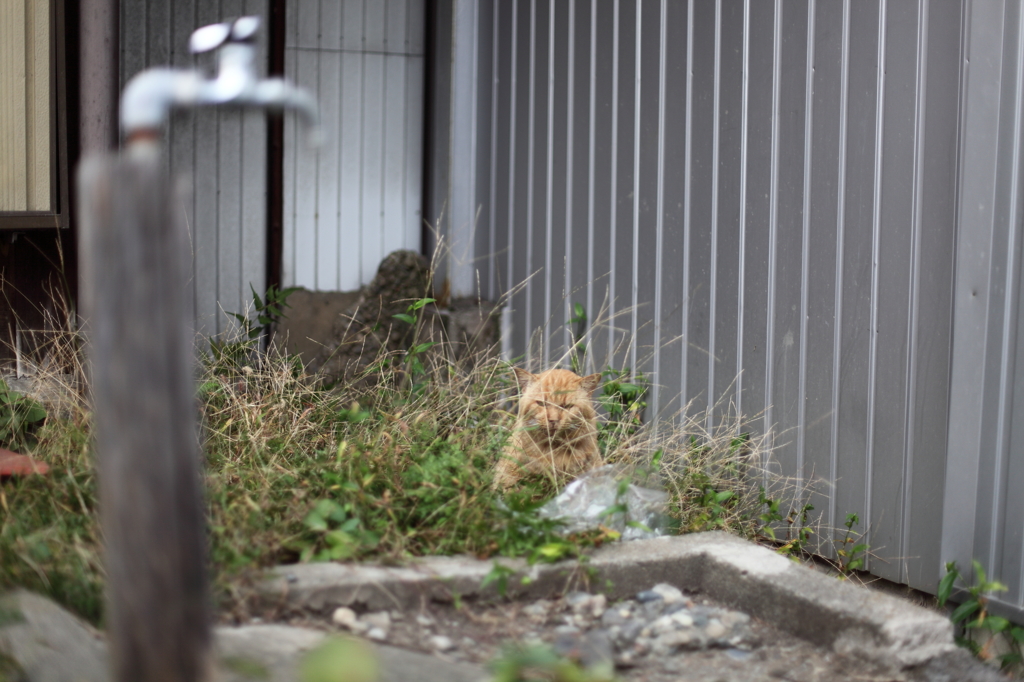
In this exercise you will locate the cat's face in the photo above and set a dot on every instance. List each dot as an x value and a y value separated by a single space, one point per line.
555 403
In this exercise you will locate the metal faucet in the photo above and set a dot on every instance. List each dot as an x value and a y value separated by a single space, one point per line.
150 95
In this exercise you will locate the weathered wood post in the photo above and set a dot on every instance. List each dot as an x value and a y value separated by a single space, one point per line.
134 265
134 269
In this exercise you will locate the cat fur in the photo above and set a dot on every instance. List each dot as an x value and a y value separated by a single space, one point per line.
555 433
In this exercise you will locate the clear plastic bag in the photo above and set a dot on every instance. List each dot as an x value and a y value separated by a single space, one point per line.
606 497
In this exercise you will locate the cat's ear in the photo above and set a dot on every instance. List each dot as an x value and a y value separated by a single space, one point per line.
523 378
591 382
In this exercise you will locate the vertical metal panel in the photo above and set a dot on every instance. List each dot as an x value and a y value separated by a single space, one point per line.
222 153
823 223
984 469
357 197
461 224
579 194
760 197
933 316
729 208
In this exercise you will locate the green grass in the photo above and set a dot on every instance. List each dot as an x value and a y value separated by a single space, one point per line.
394 465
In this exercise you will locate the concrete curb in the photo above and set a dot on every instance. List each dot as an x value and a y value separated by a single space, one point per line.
819 608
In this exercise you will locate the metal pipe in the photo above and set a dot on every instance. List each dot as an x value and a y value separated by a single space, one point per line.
150 96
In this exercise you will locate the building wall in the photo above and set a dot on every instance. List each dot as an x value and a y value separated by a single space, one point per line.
983 508
356 198
26 116
755 202
223 154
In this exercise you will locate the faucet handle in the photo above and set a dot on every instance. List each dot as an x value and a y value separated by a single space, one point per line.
209 38
244 29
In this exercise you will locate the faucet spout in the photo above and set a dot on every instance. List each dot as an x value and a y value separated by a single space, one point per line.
151 95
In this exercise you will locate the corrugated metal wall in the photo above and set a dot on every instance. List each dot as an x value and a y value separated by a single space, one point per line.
358 197
762 196
225 152
984 510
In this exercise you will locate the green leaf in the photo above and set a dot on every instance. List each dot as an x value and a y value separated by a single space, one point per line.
964 610
420 303
723 496
404 317
315 522
415 350
996 624
946 584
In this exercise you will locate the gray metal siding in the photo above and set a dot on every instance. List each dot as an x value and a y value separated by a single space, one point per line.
984 514
356 198
222 153
760 196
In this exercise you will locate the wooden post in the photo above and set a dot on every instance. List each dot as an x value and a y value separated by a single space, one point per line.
134 267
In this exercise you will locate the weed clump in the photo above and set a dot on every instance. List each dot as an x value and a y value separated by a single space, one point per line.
393 463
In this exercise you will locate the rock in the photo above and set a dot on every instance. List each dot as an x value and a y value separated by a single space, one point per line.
668 643
424 620
344 616
682 619
378 619
538 610
614 616
647 596
47 643
596 649
369 327
377 634
715 629
441 643
670 594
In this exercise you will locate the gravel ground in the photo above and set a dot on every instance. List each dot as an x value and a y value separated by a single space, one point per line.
658 636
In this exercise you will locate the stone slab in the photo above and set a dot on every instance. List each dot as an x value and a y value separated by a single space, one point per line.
46 643
820 608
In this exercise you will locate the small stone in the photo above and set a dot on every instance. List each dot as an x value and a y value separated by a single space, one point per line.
569 643
597 605
738 654
670 594
566 629
631 630
653 609
538 610
291 578
715 629
614 616
441 643
378 634
359 627
648 595
596 649
468 642
424 620
377 619
344 616
682 618
577 600
663 625
397 615
670 642
731 619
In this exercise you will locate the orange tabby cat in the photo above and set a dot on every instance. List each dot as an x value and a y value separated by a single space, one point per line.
556 431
